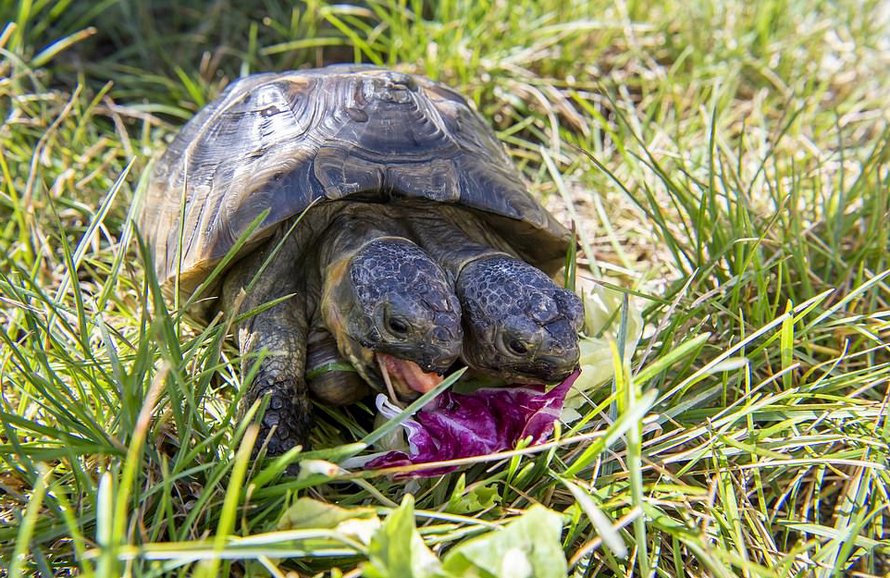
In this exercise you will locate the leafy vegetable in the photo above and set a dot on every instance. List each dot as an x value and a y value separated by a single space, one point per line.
529 547
463 425
602 323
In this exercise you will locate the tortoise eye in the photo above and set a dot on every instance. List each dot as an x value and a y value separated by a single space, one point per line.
397 326
517 347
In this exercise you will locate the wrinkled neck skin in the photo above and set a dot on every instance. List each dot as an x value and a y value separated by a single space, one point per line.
453 237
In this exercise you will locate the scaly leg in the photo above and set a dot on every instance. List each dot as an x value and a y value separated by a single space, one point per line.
282 332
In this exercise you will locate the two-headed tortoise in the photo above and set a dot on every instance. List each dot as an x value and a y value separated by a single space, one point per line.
410 214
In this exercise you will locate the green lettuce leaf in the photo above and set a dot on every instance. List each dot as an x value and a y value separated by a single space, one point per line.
528 547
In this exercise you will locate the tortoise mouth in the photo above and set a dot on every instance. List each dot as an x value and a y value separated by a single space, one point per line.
526 376
404 379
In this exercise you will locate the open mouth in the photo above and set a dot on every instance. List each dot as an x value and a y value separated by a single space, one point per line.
405 379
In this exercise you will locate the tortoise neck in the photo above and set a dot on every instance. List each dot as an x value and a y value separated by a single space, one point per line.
453 238
351 231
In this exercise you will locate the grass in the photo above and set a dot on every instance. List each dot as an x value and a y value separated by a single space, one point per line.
725 163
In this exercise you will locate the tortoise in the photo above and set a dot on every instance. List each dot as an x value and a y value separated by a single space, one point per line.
375 164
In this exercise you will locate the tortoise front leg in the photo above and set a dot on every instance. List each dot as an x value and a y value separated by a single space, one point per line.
278 337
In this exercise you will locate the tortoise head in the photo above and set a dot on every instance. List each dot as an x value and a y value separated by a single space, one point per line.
390 305
519 324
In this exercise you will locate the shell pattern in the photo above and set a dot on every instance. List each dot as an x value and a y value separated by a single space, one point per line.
282 141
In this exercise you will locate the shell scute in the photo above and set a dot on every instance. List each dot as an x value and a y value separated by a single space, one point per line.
279 142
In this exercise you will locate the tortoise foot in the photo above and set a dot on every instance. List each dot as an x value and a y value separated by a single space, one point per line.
286 422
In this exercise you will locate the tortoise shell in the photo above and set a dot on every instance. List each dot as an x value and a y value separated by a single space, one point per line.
282 141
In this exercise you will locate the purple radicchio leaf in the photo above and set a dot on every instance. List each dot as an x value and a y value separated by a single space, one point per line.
486 421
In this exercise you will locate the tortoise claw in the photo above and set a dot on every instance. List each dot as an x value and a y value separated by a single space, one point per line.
286 421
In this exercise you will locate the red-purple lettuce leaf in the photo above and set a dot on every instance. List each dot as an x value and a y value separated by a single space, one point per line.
486 421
